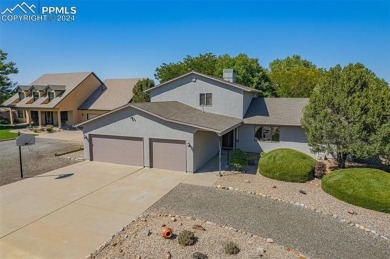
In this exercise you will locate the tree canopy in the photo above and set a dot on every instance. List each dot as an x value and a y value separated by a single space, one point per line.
294 76
138 90
6 69
248 70
349 113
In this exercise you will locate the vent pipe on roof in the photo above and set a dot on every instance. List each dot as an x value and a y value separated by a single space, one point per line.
229 75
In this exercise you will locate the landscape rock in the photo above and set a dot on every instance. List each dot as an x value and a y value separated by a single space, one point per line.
270 240
198 227
260 251
168 255
302 191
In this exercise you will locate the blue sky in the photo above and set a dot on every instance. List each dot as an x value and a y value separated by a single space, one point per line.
121 39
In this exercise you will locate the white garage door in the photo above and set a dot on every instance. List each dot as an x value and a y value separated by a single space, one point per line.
168 154
117 150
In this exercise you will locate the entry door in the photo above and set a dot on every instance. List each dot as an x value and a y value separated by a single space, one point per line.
49 117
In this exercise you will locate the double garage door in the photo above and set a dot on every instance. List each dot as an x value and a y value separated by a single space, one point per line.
163 154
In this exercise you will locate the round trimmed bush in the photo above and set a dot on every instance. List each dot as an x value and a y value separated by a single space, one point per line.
365 187
287 165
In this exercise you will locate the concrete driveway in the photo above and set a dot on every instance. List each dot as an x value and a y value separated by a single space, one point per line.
45 217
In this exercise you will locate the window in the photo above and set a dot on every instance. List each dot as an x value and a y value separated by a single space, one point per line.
267 133
50 95
21 95
35 96
20 114
206 99
64 116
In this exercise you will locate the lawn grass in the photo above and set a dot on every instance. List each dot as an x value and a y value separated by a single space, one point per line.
287 165
6 134
364 187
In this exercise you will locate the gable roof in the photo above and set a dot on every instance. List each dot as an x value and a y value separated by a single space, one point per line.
111 95
180 113
242 87
276 111
69 80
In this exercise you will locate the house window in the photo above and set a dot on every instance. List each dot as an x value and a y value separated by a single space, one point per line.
267 133
50 95
20 114
206 99
21 95
64 116
35 96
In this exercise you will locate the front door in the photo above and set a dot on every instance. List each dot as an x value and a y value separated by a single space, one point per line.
227 140
49 117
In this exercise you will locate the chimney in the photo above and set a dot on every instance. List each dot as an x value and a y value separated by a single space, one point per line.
229 75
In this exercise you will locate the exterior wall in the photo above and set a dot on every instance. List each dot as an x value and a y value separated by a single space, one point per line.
247 101
133 123
83 114
206 146
290 137
78 96
227 100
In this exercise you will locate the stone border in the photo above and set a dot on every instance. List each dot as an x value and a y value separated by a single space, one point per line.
311 208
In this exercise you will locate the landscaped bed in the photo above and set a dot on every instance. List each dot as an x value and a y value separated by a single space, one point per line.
287 165
142 239
364 187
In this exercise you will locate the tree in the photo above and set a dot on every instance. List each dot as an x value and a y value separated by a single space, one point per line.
6 69
248 70
138 90
348 114
294 76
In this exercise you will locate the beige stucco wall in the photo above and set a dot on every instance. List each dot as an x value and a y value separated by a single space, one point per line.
83 113
77 97
206 146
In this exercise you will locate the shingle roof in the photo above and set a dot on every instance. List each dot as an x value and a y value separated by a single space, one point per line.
113 94
242 87
183 114
276 111
70 80
180 113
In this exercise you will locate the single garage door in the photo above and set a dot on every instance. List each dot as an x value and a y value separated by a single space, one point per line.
168 154
117 150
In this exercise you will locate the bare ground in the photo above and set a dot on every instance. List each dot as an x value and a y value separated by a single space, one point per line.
37 159
134 241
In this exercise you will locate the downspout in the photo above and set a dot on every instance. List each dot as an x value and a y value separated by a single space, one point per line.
220 151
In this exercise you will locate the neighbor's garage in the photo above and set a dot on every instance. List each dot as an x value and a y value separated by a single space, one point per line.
168 154
117 150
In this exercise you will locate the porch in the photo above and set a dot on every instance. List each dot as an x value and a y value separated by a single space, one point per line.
42 117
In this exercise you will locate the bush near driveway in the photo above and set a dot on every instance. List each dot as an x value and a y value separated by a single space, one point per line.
365 187
287 165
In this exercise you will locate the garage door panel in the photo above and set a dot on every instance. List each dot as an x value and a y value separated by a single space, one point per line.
168 154
127 151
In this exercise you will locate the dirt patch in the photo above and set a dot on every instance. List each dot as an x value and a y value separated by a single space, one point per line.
37 159
142 239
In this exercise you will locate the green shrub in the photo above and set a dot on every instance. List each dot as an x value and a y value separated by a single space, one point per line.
231 248
287 165
4 121
365 187
186 238
238 159
49 129
199 255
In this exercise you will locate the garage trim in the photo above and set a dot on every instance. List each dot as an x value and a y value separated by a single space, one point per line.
176 141
90 143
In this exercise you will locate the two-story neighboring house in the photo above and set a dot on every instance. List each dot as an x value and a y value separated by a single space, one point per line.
189 120
66 99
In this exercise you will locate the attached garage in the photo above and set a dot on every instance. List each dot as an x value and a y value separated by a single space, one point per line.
117 150
168 154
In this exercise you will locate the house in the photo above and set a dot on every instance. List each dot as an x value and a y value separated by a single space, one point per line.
189 120
66 99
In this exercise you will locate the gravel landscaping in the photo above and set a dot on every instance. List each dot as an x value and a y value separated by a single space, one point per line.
315 200
142 239
37 159
313 234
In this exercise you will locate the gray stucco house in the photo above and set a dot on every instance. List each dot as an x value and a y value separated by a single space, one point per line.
189 120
